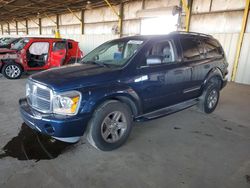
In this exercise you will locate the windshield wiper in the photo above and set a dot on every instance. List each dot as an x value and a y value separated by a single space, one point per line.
96 63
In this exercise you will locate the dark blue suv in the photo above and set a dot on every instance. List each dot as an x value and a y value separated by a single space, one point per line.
124 80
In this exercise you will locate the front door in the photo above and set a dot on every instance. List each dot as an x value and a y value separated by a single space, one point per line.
162 83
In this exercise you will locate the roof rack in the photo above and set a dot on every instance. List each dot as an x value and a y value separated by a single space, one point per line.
192 33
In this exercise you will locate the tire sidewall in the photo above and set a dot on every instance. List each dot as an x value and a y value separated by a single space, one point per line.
209 89
96 122
9 64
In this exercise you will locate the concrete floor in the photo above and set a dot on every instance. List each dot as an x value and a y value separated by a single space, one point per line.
186 149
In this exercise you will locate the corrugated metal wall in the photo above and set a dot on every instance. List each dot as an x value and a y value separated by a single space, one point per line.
223 19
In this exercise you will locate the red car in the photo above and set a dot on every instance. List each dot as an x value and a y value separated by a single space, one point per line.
35 54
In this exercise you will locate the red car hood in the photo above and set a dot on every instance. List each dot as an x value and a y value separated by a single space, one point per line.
6 50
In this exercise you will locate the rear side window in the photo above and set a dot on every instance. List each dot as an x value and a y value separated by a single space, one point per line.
59 46
192 49
213 48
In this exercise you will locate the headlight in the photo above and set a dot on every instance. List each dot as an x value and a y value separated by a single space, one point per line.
66 103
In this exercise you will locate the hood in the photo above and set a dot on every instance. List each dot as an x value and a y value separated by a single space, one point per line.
6 50
75 76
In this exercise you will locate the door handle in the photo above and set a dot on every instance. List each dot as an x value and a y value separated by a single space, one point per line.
178 72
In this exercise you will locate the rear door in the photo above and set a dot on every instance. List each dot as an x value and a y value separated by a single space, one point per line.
162 84
193 56
58 53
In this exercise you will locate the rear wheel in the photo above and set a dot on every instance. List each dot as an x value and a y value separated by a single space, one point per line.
110 126
12 70
210 98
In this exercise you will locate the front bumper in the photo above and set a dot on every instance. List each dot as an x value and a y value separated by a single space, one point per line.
57 126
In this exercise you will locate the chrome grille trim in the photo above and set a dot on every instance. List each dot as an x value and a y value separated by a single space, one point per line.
39 97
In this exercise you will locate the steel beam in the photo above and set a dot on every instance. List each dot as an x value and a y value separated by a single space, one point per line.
188 9
240 40
118 15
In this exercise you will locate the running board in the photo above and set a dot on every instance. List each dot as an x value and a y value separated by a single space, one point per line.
168 110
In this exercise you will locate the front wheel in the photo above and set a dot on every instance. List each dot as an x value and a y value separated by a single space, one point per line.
210 98
12 70
110 126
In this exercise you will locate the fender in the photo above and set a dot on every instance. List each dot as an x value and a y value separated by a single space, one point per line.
213 73
119 92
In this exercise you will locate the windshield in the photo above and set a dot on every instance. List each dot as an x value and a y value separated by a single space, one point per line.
116 52
20 44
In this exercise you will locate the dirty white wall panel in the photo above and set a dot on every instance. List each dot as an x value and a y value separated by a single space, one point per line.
218 5
48 21
227 22
200 6
131 27
131 8
34 31
99 28
68 19
12 25
70 29
100 15
89 42
243 71
229 44
48 30
21 25
33 22
150 4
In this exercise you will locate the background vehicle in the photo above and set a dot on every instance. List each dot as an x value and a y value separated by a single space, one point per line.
9 42
125 80
35 54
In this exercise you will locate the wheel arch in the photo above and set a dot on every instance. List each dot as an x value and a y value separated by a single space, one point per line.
215 76
128 97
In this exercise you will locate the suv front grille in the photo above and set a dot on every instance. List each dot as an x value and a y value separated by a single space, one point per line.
39 97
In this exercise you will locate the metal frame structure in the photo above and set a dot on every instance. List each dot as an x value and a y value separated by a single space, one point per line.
240 40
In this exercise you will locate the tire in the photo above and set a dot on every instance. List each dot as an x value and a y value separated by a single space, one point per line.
110 126
210 98
12 70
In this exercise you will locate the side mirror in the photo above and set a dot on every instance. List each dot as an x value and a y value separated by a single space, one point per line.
154 60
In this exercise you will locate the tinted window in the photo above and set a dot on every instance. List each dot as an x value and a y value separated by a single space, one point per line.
213 49
192 49
59 46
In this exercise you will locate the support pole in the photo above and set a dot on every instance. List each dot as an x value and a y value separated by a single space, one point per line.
27 27
8 28
188 10
57 34
240 40
118 15
2 29
82 22
16 27
40 26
